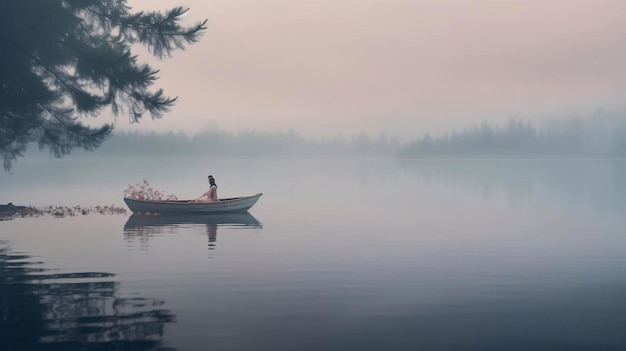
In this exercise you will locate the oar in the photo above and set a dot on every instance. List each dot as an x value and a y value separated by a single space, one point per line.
197 198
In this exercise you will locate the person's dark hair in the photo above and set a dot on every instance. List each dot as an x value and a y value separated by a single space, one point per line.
212 181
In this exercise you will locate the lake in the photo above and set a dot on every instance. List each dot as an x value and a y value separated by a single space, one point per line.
336 255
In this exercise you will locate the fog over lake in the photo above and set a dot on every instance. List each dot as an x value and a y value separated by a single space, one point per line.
408 175
337 254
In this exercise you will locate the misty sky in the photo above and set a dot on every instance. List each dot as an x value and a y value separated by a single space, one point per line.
323 67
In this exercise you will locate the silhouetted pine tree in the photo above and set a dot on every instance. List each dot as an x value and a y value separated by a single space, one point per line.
61 60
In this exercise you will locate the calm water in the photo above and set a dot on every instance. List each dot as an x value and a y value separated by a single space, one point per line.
337 255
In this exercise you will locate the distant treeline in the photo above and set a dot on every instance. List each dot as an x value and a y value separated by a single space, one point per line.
215 143
596 137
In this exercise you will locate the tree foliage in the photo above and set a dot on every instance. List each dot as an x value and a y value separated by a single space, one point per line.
595 137
65 60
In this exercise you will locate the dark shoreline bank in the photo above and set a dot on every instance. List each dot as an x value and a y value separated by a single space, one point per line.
10 210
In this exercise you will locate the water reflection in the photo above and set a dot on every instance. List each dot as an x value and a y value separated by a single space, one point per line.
596 184
72 311
141 228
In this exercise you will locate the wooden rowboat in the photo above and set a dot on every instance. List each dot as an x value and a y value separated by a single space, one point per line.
235 204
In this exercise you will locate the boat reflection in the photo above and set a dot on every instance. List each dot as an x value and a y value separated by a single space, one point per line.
142 228
41 309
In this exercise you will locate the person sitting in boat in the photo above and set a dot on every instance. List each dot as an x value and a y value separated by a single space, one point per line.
211 195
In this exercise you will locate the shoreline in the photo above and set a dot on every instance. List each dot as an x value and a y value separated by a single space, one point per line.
10 210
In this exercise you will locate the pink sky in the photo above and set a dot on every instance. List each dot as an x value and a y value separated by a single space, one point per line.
323 67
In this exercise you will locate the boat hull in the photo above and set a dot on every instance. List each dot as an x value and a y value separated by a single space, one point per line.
236 204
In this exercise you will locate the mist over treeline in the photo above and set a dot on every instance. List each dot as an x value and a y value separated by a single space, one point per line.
249 143
598 136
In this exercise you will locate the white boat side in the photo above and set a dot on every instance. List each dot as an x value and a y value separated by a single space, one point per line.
186 206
